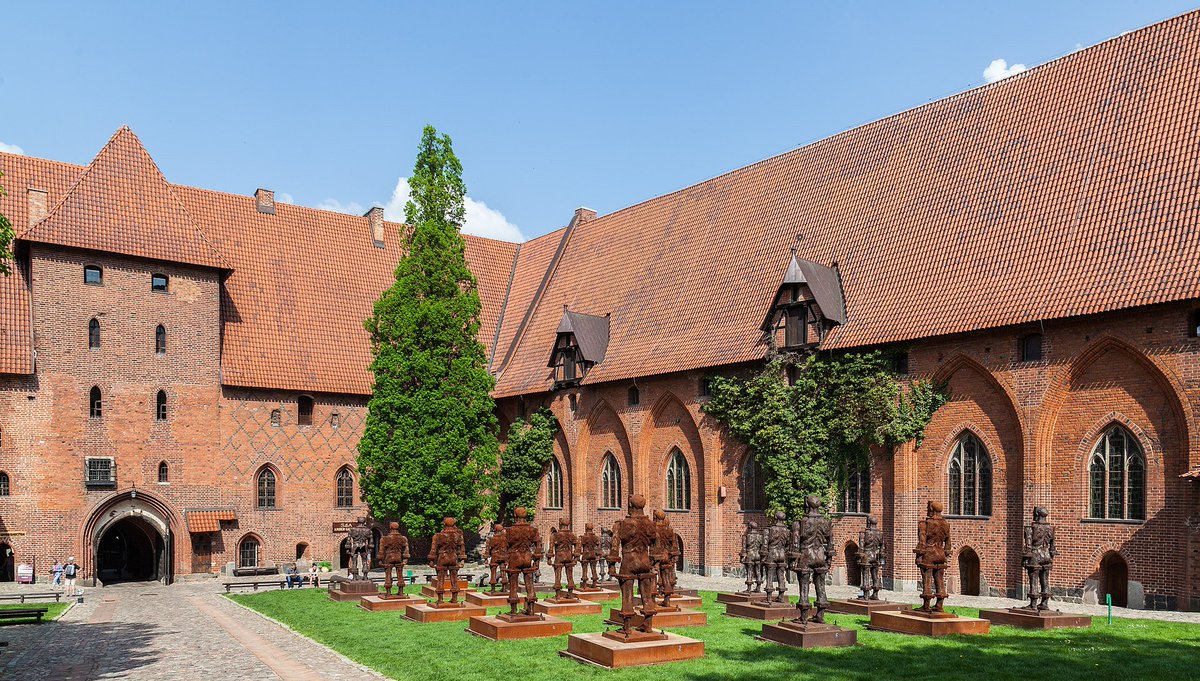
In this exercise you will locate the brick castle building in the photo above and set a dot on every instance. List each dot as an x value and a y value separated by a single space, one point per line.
185 371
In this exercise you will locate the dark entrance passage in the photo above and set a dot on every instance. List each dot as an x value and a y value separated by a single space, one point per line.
679 547
1114 572
853 576
129 551
8 563
968 571
344 554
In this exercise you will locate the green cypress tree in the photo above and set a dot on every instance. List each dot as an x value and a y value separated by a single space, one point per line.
429 446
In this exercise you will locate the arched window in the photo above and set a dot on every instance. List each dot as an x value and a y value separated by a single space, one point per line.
160 406
1117 477
679 483
304 409
248 552
856 491
554 485
754 492
163 472
610 483
160 340
1031 348
93 275
635 395
275 418
345 488
970 478
3 484
95 403
94 334
266 488
158 283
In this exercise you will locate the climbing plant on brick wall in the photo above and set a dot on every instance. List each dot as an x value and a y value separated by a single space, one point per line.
523 462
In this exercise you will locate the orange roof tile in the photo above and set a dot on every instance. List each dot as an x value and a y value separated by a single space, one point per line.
208 520
534 258
1063 191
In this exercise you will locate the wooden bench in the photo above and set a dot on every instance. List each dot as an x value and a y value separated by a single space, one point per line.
255 571
23 613
22 597
465 576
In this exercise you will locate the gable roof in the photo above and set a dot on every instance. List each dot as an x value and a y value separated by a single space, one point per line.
590 332
121 203
822 281
1065 190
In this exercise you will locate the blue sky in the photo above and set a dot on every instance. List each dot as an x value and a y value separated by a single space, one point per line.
551 105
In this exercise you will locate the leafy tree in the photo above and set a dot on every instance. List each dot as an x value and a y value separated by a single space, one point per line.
530 448
429 446
6 239
826 421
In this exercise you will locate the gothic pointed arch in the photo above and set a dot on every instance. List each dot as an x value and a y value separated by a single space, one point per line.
604 436
671 432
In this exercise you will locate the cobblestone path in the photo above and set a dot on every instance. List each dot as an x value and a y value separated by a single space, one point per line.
155 632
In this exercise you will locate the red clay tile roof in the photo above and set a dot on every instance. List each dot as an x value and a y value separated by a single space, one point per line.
532 265
123 204
22 173
208 520
1066 190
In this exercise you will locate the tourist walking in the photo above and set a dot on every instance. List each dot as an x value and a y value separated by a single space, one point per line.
56 574
70 571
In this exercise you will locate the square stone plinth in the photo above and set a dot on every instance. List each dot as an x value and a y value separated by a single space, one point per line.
683 601
1045 619
687 592
684 617
598 650
425 613
762 611
808 636
379 603
490 600
430 591
737 597
911 622
563 609
858 606
352 590
497 629
599 595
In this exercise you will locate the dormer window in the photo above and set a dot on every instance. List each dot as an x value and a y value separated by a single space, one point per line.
580 344
807 304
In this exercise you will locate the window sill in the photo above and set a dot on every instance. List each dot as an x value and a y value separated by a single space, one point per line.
968 517
677 510
552 508
1112 521
268 508
854 514
608 508
758 511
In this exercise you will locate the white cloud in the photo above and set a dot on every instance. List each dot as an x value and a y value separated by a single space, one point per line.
999 70
336 206
284 197
11 149
480 219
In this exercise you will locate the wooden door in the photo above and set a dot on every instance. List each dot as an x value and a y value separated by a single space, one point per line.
968 572
1116 579
201 553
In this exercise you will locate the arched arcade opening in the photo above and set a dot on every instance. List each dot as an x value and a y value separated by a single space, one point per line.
130 550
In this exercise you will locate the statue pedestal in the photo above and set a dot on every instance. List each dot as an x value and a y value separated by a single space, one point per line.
738 596
379 603
599 595
927 624
578 607
351 589
859 606
499 629
683 601
810 635
604 651
430 591
491 600
682 617
1035 619
762 611
425 613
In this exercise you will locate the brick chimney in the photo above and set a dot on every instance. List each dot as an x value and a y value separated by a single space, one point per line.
38 207
375 222
264 201
582 215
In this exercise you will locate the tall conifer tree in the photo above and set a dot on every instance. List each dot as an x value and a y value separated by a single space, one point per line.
430 444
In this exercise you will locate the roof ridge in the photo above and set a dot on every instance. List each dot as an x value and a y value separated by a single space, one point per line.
512 273
537 296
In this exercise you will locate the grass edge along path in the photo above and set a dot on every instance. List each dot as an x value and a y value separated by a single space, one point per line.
400 649
53 612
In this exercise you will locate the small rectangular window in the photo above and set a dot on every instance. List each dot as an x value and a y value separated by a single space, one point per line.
93 275
158 282
100 472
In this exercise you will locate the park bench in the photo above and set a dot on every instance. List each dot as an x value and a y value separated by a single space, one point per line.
280 582
430 578
23 597
256 571
23 613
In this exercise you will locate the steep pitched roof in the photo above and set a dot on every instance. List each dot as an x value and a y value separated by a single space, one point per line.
590 332
1061 191
534 260
122 204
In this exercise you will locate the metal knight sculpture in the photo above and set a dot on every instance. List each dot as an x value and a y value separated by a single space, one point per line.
359 543
629 561
563 549
751 557
496 550
933 546
666 552
605 547
393 554
524 555
812 559
870 559
589 546
775 558
446 556
1037 557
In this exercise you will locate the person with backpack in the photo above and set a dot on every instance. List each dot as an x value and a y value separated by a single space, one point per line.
70 571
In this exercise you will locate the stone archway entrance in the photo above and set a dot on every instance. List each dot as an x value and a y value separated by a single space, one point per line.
968 571
853 573
1114 573
8 563
130 539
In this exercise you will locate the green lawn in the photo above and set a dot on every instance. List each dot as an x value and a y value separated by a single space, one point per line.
1126 649
53 611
